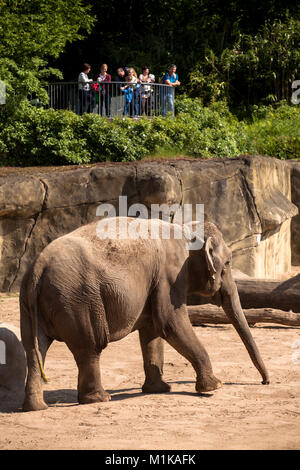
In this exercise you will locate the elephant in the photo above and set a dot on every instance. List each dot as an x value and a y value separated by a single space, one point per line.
12 360
88 290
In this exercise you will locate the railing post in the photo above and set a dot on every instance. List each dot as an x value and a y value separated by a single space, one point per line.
173 101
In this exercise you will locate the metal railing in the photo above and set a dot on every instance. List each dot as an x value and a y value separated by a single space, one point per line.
113 99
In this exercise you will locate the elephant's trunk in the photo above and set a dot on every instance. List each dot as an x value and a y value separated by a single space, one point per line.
232 307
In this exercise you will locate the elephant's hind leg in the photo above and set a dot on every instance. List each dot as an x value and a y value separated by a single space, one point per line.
90 389
34 399
85 334
153 356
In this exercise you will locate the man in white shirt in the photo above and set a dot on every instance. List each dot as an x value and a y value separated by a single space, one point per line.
85 96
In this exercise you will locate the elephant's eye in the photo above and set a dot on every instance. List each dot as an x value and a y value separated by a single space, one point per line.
227 264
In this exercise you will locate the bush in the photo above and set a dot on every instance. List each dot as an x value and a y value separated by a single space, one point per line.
274 131
43 137
36 136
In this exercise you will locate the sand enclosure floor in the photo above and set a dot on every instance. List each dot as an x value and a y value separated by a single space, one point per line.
243 414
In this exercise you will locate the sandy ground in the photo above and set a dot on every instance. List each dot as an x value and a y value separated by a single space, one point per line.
243 414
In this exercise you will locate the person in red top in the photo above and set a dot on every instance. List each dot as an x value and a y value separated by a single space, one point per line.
104 90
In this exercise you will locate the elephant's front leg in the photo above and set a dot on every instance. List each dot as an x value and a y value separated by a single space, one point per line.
153 355
179 333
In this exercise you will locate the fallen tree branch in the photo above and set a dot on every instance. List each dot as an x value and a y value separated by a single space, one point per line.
261 294
209 313
277 295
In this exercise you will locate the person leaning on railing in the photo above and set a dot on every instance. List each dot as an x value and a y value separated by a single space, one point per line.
171 79
104 90
86 97
120 78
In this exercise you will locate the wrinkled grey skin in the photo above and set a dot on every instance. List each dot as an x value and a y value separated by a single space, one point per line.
88 292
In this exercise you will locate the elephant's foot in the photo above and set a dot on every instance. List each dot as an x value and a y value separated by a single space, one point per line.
34 402
207 384
100 396
156 387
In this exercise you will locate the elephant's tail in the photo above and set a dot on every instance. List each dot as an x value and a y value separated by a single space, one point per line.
33 293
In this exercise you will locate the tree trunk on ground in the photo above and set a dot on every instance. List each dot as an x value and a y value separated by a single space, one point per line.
261 294
200 314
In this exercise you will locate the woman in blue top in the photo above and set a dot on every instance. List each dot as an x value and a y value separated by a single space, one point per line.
171 79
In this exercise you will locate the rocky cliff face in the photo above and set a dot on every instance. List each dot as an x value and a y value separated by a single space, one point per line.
295 225
249 198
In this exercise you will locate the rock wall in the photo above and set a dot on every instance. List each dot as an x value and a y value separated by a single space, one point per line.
295 225
249 198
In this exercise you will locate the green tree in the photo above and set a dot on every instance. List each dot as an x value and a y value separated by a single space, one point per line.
258 67
32 32
268 62
157 32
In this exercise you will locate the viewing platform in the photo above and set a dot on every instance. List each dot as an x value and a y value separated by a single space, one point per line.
113 99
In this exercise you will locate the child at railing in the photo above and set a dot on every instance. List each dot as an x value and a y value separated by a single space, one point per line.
132 96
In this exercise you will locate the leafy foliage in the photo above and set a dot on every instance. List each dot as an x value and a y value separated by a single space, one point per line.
274 131
241 52
259 67
31 32
47 137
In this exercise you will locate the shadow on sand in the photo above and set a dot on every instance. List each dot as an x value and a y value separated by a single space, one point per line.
68 397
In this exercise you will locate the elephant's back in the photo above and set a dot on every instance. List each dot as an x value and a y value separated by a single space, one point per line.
79 275
128 236
81 261
86 255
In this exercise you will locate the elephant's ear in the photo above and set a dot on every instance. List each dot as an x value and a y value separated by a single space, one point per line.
208 249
